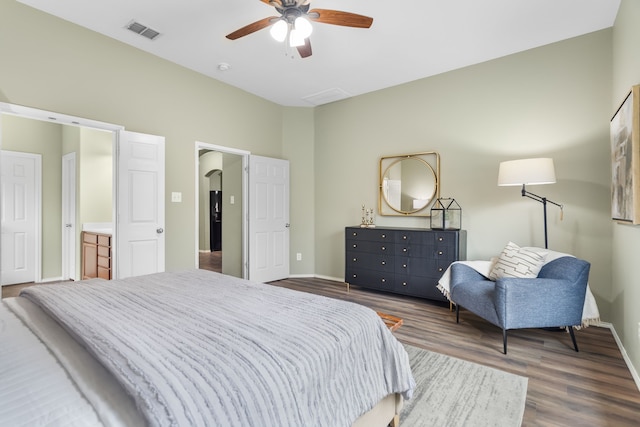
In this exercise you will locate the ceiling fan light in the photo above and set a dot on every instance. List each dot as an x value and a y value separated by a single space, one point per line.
279 30
295 38
303 25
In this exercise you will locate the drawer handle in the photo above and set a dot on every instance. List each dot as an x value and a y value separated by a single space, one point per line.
384 262
404 283
384 236
404 237
355 245
355 275
440 239
404 249
383 280
439 252
439 269
383 248
404 265
355 259
355 234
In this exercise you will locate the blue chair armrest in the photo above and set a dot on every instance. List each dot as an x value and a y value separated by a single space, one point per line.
539 302
461 273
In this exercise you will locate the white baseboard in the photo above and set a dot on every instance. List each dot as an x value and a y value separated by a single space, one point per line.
625 356
51 279
333 279
316 276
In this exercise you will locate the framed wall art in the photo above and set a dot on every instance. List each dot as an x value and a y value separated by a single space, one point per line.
625 161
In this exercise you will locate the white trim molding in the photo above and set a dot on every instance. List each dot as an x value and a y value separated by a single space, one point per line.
625 356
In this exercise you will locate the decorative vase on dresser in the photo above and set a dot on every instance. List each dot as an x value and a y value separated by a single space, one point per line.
407 261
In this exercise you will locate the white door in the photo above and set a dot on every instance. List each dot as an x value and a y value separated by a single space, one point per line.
140 240
69 216
268 219
21 175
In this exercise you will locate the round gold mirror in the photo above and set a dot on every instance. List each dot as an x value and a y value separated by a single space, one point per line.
408 184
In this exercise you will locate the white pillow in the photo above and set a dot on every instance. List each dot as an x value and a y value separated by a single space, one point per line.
515 261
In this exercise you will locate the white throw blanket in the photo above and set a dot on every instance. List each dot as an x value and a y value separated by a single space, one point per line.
590 312
199 348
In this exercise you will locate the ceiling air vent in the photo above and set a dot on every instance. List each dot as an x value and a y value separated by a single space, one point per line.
143 30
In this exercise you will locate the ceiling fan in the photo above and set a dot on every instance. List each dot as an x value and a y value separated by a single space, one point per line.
293 23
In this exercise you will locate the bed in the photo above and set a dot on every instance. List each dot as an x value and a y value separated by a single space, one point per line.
195 348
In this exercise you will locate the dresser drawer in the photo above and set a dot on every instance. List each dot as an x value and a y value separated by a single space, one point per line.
367 261
104 273
447 239
416 237
104 262
370 278
90 238
416 266
104 240
417 286
370 246
371 234
415 250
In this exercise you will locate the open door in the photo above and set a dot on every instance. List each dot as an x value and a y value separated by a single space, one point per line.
140 225
268 219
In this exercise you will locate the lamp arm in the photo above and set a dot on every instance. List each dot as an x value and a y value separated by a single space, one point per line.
540 199
544 202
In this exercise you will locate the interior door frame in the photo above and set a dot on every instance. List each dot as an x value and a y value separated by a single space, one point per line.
245 199
64 119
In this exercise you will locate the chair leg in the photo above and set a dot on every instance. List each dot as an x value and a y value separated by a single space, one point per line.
573 338
504 340
457 313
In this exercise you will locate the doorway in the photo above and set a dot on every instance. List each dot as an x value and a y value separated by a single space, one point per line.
221 209
56 140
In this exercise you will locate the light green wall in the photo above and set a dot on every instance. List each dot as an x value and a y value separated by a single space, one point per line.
232 215
37 137
625 291
57 66
298 143
95 176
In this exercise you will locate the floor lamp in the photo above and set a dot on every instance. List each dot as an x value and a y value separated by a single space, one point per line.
531 172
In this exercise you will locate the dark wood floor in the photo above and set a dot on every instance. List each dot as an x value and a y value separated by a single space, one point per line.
211 261
590 388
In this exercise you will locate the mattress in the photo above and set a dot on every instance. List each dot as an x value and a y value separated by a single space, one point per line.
105 399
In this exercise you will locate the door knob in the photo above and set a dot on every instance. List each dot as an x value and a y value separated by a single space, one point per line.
160 230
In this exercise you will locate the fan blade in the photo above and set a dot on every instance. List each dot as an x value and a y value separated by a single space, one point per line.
270 2
252 28
305 49
336 17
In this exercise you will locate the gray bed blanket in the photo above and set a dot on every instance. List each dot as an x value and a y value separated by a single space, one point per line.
198 348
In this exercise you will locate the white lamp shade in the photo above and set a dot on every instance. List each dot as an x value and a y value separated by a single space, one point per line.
279 30
303 27
527 171
295 38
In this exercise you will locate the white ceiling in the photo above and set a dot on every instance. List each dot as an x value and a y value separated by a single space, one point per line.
408 40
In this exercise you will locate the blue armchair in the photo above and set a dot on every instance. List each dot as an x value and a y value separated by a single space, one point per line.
553 299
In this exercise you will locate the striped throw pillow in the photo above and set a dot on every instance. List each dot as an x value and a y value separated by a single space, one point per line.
515 261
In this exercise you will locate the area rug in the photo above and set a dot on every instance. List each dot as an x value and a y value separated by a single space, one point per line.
453 392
